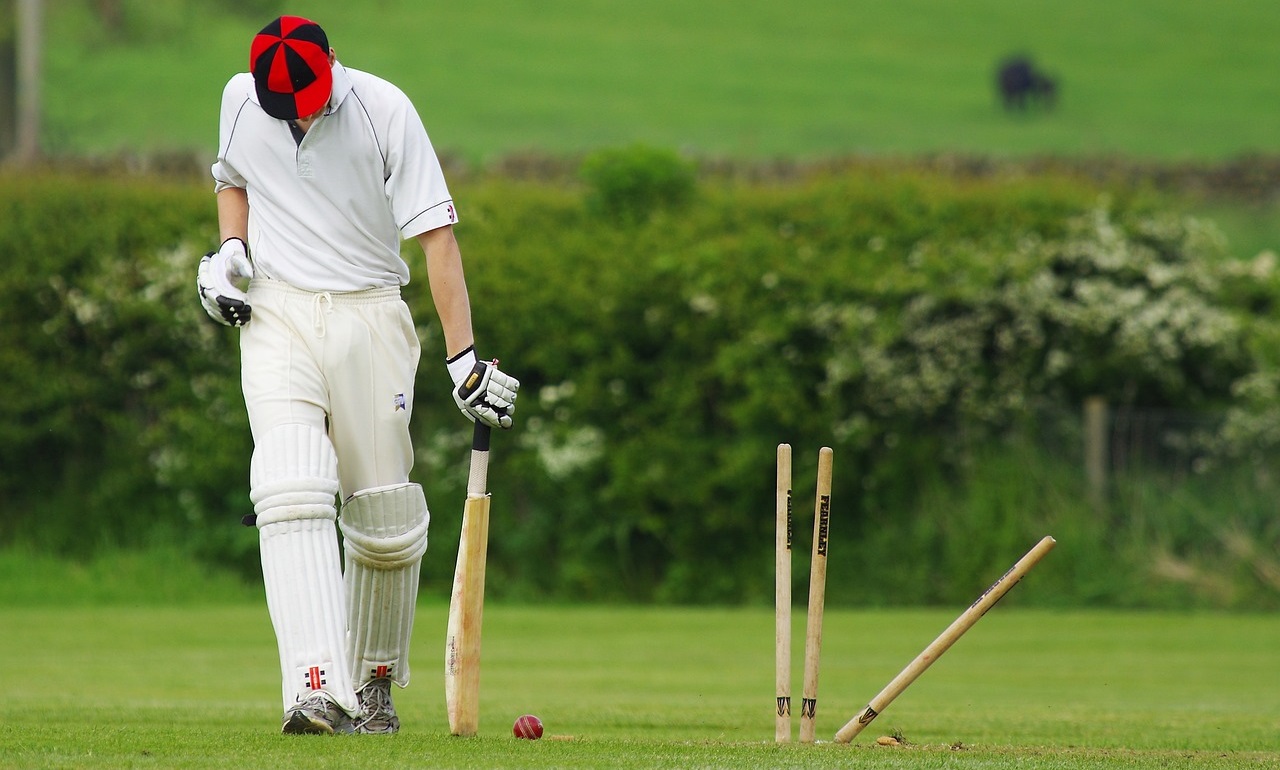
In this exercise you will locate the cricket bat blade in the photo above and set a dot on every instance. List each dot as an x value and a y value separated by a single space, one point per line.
466 604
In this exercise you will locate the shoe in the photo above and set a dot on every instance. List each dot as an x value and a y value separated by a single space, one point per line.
377 714
317 715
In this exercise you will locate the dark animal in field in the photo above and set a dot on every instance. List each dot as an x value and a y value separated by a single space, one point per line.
1023 86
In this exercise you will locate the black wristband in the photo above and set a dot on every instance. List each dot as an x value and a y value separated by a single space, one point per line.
468 349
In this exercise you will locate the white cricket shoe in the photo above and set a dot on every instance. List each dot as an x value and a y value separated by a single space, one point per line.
317 715
377 714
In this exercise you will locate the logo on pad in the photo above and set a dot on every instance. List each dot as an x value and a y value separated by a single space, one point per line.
315 678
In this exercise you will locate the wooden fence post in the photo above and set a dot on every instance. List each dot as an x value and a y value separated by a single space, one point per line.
29 37
1096 447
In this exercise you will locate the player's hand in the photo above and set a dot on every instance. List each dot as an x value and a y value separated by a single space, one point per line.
225 302
482 391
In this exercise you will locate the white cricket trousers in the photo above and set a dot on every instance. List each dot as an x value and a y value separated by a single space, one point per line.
341 362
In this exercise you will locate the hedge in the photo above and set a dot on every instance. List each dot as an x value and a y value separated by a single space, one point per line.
912 320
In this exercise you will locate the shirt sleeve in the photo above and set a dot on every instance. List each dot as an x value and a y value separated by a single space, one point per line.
415 184
234 99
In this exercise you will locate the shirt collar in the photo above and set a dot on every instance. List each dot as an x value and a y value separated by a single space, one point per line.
341 86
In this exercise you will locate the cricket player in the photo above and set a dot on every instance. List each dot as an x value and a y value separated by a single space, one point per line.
321 172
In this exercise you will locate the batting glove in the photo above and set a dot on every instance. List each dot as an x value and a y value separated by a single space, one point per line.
482 391
225 302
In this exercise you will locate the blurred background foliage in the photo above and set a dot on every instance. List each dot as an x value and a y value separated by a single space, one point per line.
939 332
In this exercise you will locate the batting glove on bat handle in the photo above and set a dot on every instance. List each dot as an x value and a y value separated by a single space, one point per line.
225 302
482 391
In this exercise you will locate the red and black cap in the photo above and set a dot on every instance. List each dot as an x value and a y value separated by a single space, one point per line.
290 63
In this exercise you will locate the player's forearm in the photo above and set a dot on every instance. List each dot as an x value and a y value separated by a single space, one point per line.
233 213
448 288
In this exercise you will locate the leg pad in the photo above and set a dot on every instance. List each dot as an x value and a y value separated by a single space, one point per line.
385 535
293 484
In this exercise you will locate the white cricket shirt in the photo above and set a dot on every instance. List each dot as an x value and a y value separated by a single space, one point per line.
328 214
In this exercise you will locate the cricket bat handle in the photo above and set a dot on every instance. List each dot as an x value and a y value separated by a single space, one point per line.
478 477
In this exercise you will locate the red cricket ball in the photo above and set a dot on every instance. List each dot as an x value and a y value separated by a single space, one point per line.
528 727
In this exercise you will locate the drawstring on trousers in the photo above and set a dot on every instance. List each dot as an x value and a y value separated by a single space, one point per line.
319 311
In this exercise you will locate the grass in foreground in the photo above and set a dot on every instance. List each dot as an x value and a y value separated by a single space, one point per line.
196 687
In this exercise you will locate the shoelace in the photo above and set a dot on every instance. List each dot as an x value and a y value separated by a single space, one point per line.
319 706
375 703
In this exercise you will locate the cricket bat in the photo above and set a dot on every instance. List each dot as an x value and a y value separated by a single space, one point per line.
466 605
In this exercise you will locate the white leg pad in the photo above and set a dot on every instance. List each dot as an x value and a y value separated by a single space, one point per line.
385 535
293 481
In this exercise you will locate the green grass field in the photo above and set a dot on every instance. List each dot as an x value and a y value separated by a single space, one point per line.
125 663
1146 78
197 687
